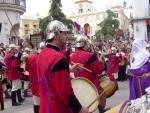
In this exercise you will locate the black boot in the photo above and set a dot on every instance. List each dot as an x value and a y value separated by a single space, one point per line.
13 96
20 99
36 108
2 106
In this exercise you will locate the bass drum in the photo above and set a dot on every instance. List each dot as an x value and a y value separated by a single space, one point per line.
87 93
109 86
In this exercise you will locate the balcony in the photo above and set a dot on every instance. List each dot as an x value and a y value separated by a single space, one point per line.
14 5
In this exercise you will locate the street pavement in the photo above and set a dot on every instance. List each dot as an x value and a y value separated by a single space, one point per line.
121 95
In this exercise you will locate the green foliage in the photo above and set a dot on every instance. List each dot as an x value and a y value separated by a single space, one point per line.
99 35
109 26
55 10
108 37
55 13
44 22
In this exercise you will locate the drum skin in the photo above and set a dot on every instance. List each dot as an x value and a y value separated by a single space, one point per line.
109 86
86 92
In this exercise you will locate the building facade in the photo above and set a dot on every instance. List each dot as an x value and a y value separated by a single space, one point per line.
89 18
28 26
10 11
141 19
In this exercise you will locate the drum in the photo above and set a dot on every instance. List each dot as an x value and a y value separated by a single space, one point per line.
109 86
86 93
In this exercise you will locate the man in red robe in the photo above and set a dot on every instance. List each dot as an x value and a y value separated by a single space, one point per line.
31 68
113 62
14 74
56 93
89 61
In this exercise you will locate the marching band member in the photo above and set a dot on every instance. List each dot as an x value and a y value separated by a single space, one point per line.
113 62
89 61
25 77
14 74
56 93
32 69
122 66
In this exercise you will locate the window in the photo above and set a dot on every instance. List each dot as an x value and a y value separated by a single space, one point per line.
88 9
34 26
0 27
80 10
26 25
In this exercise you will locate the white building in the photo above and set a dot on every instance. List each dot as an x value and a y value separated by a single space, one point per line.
10 11
141 18
29 26
89 18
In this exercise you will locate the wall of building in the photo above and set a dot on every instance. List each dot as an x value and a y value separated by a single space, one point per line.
6 26
140 15
140 8
28 27
140 29
94 18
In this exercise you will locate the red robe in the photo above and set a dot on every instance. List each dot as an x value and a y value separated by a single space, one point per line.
12 65
113 61
56 93
90 61
32 69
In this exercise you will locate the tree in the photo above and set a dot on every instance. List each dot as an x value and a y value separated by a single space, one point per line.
55 10
44 22
109 26
55 13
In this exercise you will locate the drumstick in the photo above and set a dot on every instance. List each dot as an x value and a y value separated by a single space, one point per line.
95 100
83 67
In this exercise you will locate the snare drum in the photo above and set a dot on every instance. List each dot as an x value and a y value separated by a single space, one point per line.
86 93
109 86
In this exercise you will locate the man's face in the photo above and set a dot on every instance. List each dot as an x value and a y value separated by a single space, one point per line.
62 39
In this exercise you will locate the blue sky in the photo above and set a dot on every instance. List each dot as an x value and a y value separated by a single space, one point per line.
41 7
